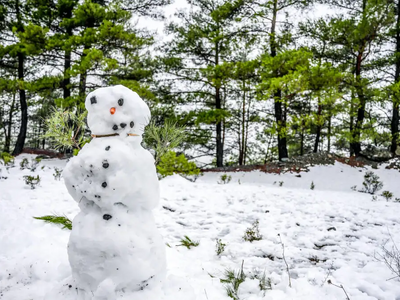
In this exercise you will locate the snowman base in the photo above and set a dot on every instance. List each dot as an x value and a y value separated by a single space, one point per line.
173 288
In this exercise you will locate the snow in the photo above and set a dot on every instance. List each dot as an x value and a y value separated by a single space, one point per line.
34 259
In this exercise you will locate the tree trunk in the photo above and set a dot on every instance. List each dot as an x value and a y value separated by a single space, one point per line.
67 54
279 117
218 105
319 128
356 134
329 133
243 133
395 114
7 144
19 145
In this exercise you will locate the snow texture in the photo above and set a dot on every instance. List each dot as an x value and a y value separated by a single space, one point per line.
34 260
114 247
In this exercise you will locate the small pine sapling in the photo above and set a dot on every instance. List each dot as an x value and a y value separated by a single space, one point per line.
220 247
187 242
232 281
252 233
225 179
354 188
387 195
24 164
32 181
312 185
264 283
281 183
371 183
57 174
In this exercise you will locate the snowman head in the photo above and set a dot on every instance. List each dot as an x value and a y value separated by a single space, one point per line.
116 109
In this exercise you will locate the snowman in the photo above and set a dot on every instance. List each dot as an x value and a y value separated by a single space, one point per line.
114 248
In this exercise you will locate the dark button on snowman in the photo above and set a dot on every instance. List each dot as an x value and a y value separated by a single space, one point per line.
114 245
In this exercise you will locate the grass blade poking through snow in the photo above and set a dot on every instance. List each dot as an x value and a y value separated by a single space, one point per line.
62 220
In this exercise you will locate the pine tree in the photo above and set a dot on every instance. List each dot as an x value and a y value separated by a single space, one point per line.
201 44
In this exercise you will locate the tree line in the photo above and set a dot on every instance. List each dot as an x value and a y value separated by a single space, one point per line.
250 81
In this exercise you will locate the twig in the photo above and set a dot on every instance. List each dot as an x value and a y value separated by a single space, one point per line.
205 292
284 259
328 274
341 287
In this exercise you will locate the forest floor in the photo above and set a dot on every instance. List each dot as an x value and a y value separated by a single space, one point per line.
332 233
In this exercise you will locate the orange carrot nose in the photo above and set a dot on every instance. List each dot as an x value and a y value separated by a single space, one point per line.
112 110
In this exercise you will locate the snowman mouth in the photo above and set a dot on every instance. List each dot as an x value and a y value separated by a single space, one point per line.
111 134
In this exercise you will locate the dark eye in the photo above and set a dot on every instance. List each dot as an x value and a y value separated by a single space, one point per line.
121 102
93 100
132 124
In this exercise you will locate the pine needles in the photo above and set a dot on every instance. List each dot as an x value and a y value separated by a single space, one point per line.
54 219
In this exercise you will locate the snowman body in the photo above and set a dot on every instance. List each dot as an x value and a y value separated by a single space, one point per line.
114 245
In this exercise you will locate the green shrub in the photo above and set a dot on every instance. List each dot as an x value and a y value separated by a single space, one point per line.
312 187
6 159
62 220
24 163
57 173
253 233
225 179
220 247
32 181
232 281
163 139
371 183
387 195
171 164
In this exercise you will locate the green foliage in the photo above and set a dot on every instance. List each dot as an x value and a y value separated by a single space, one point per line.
66 129
163 139
57 174
371 183
170 164
387 195
187 242
32 181
6 159
312 185
281 183
253 233
24 163
54 219
225 179
220 247
264 282
232 281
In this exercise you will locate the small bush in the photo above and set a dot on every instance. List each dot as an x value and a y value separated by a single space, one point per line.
24 164
387 195
187 242
62 220
281 183
57 174
171 164
6 159
32 181
354 188
371 183
397 200
225 179
312 185
220 247
232 281
253 233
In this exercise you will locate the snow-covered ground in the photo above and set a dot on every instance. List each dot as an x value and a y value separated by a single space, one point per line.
329 233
